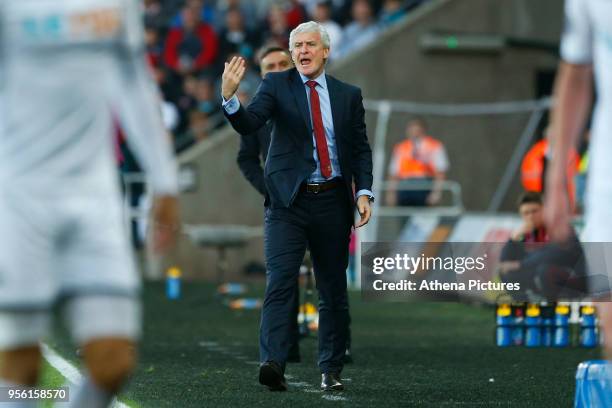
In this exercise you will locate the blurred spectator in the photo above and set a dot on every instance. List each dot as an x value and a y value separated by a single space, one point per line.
362 31
295 14
192 47
186 101
247 10
206 99
167 87
277 30
533 167
197 131
207 12
170 115
532 227
153 46
420 163
235 38
153 15
311 5
322 15
532 230
392 12
198 125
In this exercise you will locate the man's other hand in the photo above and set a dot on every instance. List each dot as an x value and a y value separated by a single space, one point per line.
232 75
365 211
165 223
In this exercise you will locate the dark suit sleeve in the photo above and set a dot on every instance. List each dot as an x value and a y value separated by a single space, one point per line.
250 163
362 153
250 120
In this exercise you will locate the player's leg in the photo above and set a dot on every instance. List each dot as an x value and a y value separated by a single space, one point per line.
27 287
20 355
107 328
98 272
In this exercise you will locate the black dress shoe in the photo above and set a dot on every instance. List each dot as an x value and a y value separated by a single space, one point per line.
348 356
271 375
331 382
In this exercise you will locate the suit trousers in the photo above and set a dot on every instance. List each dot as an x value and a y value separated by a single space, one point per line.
322 222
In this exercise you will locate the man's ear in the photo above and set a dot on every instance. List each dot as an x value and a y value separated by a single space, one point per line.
325 53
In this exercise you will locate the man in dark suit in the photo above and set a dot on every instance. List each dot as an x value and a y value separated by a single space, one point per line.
318 151
253 151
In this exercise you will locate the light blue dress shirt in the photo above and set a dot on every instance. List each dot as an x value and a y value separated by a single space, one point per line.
232 105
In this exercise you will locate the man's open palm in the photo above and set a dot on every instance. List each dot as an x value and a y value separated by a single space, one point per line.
232 75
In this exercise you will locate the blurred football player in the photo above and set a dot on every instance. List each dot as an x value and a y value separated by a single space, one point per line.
65 66
586 51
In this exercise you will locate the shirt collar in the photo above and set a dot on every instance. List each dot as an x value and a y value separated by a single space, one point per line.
320 80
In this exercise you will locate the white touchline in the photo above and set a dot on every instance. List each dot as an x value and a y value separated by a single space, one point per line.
67 370
301 385
334 398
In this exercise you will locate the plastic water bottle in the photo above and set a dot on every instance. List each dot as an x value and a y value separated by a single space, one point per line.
593 381
533 326
173 283
518 334
245 304
504 323
562 337
588 327
548 324
232 289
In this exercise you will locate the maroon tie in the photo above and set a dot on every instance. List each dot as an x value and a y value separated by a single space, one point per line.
319 131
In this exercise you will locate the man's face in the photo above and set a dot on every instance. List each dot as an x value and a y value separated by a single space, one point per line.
362 12
190 18
309 54
276 61
531 213
415 129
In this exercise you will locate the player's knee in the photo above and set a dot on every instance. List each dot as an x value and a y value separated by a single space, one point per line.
21 366
110 362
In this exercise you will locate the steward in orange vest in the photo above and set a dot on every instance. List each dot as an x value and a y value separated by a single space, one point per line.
420 162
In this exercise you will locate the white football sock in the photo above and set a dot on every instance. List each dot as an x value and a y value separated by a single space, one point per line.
87 394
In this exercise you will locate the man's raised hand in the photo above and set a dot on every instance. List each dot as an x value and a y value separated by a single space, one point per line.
232 75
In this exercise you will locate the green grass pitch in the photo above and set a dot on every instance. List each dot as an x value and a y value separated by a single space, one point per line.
198 353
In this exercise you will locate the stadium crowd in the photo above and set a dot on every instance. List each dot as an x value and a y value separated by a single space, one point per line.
188 42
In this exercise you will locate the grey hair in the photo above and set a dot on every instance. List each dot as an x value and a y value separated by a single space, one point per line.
310 27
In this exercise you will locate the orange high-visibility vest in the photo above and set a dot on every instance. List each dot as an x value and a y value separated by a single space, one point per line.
413 163
532 168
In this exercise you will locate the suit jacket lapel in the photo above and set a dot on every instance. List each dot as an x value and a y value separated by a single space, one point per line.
299 93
